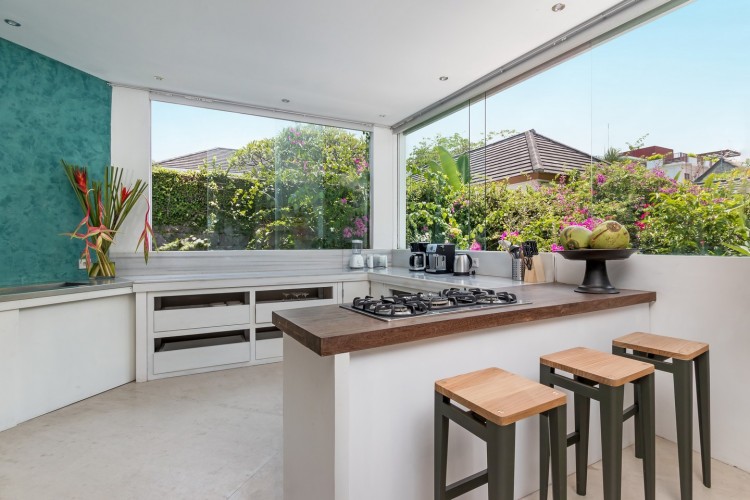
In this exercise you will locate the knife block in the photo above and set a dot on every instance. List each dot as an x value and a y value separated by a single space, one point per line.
536 273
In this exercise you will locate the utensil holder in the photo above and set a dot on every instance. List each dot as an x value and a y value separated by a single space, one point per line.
516 269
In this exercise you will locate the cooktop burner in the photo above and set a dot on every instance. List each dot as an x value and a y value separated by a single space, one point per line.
449 300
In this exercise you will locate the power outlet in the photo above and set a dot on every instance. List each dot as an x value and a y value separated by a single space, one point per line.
81 263
475 262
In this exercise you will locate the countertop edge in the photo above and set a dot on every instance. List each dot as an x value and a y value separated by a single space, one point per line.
453 324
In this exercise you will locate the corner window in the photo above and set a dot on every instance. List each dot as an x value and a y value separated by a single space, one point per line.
231 181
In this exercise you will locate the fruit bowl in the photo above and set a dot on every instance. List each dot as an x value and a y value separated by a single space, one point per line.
595 279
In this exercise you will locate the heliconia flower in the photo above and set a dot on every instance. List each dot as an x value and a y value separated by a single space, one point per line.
124 194
80 177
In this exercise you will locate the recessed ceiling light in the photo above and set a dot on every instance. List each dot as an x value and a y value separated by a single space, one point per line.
443 78
157 77
381 116
13 23
558 7
285 100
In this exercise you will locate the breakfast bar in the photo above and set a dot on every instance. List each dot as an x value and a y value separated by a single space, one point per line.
358 391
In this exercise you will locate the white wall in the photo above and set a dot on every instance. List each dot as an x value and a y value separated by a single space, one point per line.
131 150
698 298
384 196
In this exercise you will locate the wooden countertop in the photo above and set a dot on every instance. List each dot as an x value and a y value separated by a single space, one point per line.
328 330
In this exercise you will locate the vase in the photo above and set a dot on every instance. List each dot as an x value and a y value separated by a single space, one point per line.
102 268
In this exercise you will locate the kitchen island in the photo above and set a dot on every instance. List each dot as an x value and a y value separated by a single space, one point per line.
358 397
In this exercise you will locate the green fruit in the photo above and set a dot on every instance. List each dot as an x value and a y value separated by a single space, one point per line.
610 235
575 237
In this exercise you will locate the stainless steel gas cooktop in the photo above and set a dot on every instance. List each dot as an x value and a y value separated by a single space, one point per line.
451 300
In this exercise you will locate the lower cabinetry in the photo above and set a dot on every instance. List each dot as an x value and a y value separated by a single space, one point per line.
193 331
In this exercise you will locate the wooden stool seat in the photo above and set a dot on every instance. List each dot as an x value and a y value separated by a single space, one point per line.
600 367
499 396
660 345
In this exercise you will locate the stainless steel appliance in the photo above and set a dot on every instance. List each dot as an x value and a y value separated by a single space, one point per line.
450 300
418 258
462 264
440 258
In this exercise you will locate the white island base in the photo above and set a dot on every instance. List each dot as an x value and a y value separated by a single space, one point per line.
359 426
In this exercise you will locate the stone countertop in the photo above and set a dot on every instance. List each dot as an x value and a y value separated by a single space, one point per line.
38 290
40 294
391 275
328 330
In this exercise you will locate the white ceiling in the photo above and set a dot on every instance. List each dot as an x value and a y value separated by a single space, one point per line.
337 58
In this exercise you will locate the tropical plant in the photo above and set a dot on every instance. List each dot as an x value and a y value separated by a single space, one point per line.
105 205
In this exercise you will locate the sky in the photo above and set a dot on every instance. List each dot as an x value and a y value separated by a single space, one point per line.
682 79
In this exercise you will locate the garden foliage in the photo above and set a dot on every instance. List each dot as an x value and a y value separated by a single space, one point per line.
663 216
308 187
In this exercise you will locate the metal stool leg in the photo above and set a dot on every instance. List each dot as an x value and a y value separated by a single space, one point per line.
558 437
611 416
544 455
582 409
501 447
703 390
441 449
648 437
683 401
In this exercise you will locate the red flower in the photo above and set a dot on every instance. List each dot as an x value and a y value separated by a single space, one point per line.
80 177
124 194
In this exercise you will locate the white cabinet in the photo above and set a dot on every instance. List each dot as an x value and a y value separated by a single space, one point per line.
199 330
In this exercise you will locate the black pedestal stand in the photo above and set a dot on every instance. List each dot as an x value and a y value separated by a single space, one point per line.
595 279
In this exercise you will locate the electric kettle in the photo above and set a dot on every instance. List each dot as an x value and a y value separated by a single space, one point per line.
462 265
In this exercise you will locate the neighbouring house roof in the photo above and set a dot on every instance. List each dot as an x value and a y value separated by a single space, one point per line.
194 161
523 156
721 166
647 151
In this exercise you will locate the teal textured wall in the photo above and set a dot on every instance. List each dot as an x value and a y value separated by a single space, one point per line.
48 111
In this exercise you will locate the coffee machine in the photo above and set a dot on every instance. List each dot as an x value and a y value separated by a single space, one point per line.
440 258
418 258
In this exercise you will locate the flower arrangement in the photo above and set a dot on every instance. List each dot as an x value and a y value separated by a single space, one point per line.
105 207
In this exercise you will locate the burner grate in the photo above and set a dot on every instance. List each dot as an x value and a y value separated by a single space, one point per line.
416 304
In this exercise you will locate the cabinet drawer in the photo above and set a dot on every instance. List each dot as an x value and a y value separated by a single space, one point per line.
201 317
201 357
263 311
268 343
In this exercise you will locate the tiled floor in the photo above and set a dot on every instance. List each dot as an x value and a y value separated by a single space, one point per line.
214 436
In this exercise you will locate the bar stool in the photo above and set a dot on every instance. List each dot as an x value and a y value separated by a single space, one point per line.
496 400
590 369
656 349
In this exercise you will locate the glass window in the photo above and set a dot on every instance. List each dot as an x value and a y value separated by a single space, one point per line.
232 181
630 131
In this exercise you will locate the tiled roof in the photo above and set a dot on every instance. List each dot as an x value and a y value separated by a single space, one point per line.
194 161
525 153
721 166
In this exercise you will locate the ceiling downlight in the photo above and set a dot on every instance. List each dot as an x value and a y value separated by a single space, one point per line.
11 22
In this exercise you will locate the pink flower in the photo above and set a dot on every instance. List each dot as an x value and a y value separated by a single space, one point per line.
600 179
556 248
475 246
343 201
347 232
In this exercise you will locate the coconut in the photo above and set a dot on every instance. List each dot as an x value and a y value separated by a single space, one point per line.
575 237
610 235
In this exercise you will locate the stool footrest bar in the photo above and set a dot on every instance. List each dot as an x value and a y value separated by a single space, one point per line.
466 484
